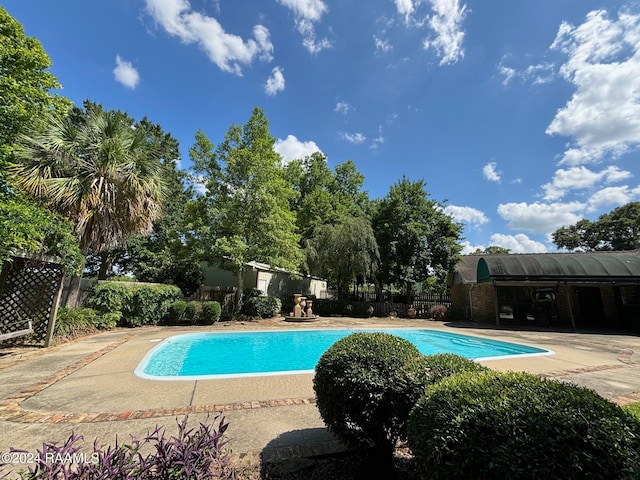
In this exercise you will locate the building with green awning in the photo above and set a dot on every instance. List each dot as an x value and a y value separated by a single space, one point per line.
578 290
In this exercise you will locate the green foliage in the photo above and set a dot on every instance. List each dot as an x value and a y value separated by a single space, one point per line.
492 250
247 199
324 197
616 230
633 409
26 84
30 228
77 321
209 313
176 313
149 304
412 379
344 253
262 307
99 170
191 311
416 238
170 254
514 425
352 388
108 297
137 304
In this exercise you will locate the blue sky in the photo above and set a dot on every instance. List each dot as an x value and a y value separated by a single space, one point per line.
523 116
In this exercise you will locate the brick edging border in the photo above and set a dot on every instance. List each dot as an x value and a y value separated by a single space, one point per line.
12 411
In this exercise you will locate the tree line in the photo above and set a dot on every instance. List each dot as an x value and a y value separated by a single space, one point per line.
103 190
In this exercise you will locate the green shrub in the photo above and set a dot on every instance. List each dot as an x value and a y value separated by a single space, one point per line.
209 313
108 297
515 425
107 321
411 380
149 304
71 322
175 313
191 311
351 383
263 307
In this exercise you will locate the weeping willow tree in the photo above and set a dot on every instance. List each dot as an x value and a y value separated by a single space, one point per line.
99 171
344 252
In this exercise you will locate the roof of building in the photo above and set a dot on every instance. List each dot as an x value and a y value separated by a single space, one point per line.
582 267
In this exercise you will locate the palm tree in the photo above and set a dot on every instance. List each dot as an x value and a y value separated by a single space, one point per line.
98 170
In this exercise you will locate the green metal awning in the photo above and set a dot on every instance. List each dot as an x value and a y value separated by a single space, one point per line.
577 267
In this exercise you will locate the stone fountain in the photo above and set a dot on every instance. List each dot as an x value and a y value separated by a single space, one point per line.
302 311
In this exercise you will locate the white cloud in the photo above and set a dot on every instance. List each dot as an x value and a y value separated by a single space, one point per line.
540 218
490 173
536 74
125 73
444 22
577 178
342 107
446 25
275 83
466 214
603 63
355 138
612 196
382 44
229 52
293 149
405 7
306 14
519 243
467 248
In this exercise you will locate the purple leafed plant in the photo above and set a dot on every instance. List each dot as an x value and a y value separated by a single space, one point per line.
194 453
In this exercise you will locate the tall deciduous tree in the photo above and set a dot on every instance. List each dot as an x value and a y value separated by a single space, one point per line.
616 230
25 87
248 199
26 98
99 172
325 196
416 238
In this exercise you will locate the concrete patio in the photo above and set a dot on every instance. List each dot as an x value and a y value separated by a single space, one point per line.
88 387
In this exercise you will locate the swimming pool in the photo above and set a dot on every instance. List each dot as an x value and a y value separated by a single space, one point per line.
196 356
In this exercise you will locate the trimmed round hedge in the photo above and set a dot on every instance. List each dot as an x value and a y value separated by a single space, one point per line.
351 383
515 425
411 380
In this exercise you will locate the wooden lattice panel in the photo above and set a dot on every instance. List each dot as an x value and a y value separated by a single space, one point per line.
28 290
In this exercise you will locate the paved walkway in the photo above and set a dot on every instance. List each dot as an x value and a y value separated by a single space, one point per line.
88 387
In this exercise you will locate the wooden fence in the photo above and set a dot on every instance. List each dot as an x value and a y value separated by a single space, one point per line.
389 302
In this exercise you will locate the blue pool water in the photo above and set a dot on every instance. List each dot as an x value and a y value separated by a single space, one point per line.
230 354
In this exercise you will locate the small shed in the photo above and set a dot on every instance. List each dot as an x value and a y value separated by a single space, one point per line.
595 289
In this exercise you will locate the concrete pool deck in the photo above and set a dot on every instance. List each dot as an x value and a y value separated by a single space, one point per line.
88 387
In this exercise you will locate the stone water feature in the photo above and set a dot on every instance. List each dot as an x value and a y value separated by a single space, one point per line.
302 311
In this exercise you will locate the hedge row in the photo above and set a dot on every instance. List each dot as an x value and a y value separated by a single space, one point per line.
193 313
139 305
463 420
